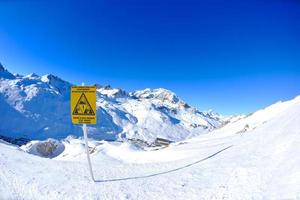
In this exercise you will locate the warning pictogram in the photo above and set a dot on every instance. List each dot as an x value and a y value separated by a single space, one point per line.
83 104
83 107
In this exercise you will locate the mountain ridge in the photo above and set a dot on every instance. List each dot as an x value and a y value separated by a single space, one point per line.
39 105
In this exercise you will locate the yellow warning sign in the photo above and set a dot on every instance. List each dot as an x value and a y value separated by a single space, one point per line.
83 104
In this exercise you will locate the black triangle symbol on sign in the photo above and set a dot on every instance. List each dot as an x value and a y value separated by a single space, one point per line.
83 107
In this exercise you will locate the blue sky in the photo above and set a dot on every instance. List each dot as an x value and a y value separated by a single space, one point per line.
229 56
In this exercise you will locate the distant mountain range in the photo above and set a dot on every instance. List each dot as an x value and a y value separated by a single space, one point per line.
38 107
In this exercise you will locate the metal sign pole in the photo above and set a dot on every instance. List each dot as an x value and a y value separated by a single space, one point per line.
84 128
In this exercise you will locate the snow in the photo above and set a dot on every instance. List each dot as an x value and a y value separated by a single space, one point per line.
40 105
241 157
260 162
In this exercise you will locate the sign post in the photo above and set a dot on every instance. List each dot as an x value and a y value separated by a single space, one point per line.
83 111
87 150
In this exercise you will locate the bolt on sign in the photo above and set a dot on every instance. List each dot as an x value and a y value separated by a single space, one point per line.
83 104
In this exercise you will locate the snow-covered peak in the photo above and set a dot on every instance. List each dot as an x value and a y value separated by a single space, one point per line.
111 92
1 68
32 76
51 78
4 74
225 119
56 82
17 75
161 94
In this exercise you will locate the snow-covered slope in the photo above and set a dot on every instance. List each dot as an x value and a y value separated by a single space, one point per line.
233 162
37 107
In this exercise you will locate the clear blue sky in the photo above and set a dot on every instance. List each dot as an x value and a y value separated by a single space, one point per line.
231 56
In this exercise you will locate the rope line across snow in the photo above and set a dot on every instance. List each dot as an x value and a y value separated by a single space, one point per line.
166 172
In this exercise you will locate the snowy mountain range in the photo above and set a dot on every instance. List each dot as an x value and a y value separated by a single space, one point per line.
38 107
